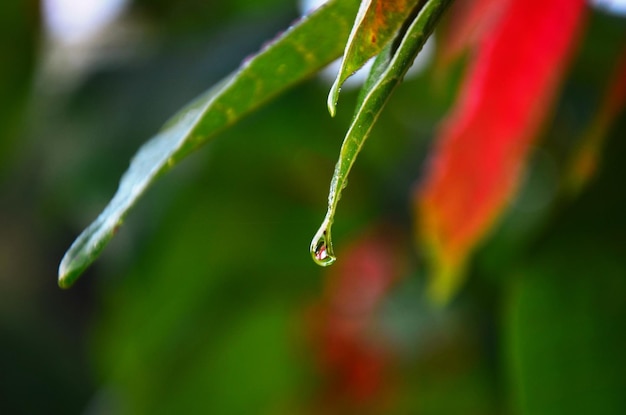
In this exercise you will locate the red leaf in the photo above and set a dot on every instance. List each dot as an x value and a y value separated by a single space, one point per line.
353 355
469 21
483 145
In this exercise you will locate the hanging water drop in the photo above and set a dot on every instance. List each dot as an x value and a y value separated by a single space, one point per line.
322 247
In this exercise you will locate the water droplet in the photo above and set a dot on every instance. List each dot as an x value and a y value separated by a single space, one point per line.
322 247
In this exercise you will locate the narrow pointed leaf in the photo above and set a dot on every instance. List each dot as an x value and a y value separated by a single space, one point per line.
481 150
297 54
585 161
387 72
376 24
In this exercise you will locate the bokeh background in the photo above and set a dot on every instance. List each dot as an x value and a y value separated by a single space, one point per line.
207 300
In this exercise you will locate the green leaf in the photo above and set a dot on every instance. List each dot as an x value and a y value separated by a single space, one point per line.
376 24
387 73
19 33
297 54
566 329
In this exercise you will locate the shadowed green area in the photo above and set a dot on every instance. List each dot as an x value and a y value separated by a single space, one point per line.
208 301
295 55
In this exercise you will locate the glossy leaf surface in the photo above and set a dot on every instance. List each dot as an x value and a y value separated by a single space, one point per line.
376 24
295 55
481 150
386 74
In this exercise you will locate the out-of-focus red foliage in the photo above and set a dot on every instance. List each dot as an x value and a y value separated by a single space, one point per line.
585 160
468 23
353 356
481 149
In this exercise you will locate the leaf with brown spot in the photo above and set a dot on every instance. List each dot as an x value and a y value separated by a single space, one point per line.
375 26
303 50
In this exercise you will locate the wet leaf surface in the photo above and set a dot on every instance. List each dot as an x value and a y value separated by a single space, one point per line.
377 22
295 55
387 73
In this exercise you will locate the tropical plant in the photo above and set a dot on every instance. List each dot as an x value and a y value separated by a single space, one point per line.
501 82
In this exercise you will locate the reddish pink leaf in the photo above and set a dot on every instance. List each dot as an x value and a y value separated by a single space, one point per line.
483 145
353 357
469 21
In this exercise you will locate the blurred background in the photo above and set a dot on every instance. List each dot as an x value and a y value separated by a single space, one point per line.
207 300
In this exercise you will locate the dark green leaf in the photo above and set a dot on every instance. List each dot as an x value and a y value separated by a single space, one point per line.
387 73
298 53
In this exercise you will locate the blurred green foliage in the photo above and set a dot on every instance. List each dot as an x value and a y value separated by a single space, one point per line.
202 303
18 36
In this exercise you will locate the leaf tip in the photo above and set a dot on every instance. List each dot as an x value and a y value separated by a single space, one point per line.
82 253
446 258
322 246
333 97
63 284
67 273
445 282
